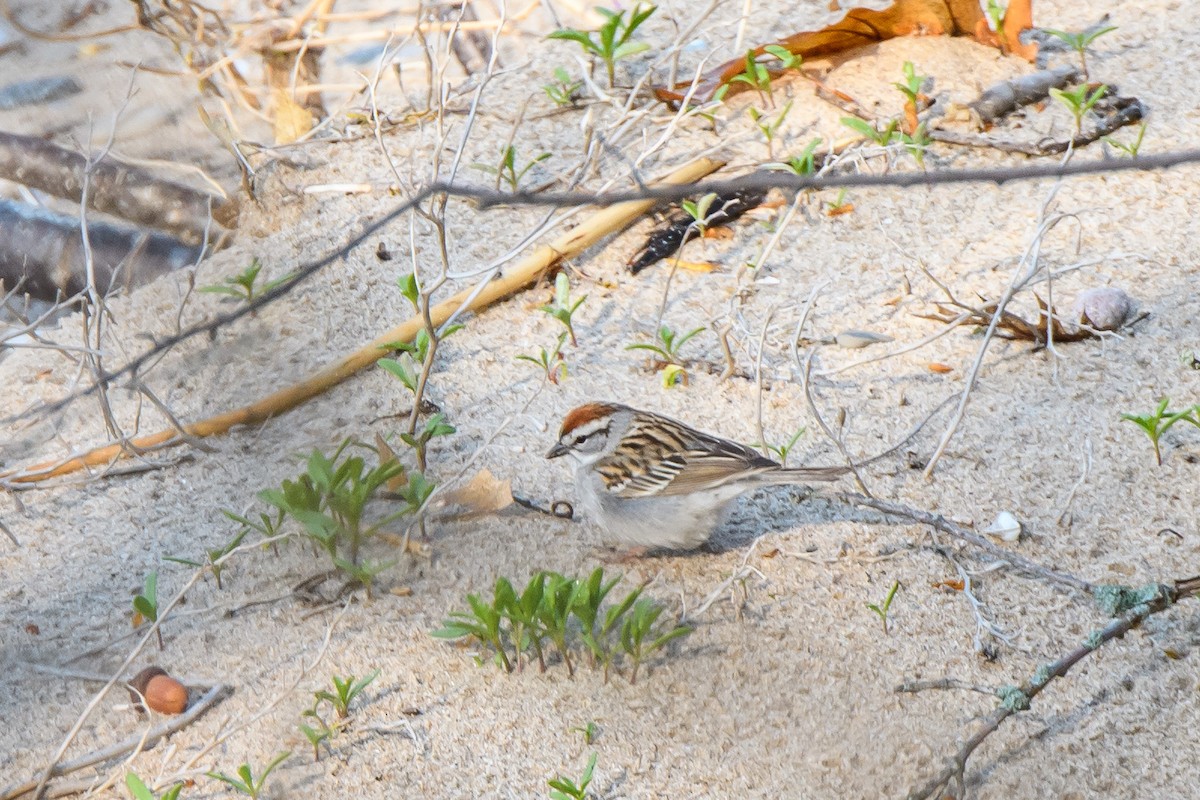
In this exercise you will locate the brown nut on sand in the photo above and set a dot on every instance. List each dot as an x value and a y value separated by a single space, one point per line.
163 693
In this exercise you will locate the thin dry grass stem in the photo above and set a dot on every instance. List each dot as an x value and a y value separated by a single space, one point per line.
943 684
806 384
1083 476
758 384
940 523
1016 282
983 623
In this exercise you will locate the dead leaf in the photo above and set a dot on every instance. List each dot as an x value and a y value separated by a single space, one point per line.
840 210
939 368
387 456
483 494
956 585
401 591
292 120
864 26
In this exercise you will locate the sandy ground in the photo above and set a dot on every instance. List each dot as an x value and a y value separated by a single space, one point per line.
786 687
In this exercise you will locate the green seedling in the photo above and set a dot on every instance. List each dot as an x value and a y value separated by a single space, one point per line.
436 426
554 611
344 691
145 605
243 287
587 603
640 636
1079 42
756 76
1160 420
413 356
787 59
410 290
698 211
483 623
881 611
912 85
140 791
666 352
769 126
216 556
782 451
521 611
880 136
552 361
563 91
318 735
1079 101
330 497
1133 147
563 308
507 170
611 41
589 731
245 782
838 205
916 143
565 789
801 165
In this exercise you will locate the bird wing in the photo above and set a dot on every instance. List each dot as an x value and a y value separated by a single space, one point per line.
696 463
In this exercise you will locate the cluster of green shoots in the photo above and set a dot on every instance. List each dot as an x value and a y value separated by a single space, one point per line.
566 614
244 287
612 41
915 138
507 171
1160 420
664 354
329 501
323 728
553 362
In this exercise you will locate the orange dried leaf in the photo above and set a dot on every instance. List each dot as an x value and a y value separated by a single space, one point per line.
939 368
956 584
839 210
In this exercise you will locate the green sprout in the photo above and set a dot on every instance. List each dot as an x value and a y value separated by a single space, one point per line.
330 497
1133 147
1160 420
344 691
640 636
881 611
565 789
1079 42
665 350
769 126
563 91
552 361
996 12
215 557
911 88
140 791
916 143
611 41
145 605
782 451
242 287
698 211
880 136
563 308
1079 101
506 170
589 731
245 782
803 164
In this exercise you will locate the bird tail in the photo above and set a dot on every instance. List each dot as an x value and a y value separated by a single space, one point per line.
803 474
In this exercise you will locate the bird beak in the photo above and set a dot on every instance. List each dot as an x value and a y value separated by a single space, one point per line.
559 449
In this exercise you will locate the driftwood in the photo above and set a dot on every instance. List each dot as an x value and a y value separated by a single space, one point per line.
114 188
42 253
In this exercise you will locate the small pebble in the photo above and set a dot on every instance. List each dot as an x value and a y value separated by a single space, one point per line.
1105 308
1006 527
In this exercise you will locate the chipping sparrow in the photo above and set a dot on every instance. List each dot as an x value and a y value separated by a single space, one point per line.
654 483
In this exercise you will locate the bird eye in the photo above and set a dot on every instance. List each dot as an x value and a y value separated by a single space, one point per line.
580 439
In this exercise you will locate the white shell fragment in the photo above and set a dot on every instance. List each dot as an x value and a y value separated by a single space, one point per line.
1106 308
853 340
1006 527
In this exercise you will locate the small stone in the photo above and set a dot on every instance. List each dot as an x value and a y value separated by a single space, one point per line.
1006 527
1105 308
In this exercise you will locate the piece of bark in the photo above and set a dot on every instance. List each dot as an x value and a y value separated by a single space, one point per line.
114 188
42 253
1004 98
